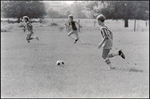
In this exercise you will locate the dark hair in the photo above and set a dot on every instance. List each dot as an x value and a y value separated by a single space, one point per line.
27 19
101 18
70 16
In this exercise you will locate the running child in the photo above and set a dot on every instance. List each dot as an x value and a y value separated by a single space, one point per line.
29 27
74 28
107 42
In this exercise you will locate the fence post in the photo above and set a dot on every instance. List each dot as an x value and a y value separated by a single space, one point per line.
134 24
8 20
66 29
79 23
94 23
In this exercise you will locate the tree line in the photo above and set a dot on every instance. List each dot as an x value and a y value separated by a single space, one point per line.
110 9
18 9
121 10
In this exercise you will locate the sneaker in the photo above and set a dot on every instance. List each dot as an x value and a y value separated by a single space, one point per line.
112 67
121 54
75 41
28 41
37 38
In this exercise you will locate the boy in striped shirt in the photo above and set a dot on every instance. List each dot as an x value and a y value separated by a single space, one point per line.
29 27
74 28
107 42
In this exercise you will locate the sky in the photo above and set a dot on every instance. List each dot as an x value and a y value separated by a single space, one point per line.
69 2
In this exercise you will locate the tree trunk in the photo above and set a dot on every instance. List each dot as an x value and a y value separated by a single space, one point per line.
126 23
18 20
40 20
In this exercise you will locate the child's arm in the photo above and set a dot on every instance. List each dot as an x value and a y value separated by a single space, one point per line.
24 28
66 25
78 24
100 45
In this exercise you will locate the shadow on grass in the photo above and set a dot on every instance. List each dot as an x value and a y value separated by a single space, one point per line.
129 69
86 43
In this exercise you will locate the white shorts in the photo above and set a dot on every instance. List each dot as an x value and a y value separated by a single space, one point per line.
105 53
73 32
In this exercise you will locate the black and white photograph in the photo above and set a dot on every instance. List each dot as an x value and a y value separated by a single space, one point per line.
74 49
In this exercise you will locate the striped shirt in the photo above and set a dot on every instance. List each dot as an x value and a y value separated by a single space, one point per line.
105 32
29 26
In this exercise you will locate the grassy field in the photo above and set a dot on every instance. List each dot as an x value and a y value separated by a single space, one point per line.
29 70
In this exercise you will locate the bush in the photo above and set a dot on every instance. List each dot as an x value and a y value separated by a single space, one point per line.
21 26
4 30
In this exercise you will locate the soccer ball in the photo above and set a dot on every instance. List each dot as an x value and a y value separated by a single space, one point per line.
60 63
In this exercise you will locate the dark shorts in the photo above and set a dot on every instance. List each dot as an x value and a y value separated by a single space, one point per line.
105 53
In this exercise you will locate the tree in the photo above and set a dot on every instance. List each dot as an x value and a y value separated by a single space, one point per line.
18 9
53 14
76 9
122 9
64 12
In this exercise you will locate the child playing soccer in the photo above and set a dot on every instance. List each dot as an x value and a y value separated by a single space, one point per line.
29 27
107 42
74 28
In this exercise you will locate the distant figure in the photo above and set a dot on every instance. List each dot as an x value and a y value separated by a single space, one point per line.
74 28
107 42
29 27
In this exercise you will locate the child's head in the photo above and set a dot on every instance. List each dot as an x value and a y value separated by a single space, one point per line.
25 18
100 18
70 17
